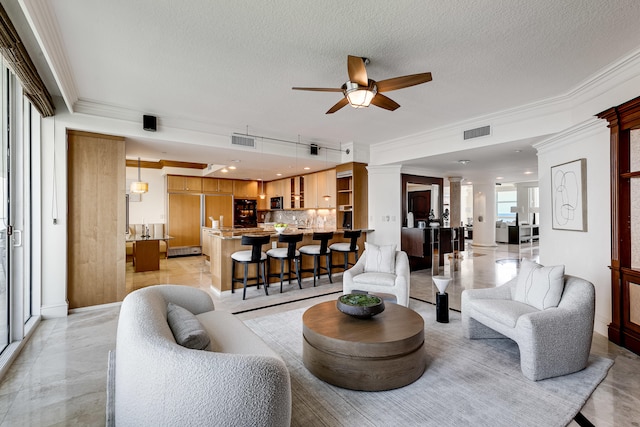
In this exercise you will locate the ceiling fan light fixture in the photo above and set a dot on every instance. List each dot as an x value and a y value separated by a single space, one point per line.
358 96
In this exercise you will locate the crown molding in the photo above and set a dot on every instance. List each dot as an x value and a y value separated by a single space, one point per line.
40 17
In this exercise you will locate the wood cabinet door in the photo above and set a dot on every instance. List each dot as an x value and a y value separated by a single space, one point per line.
184 220
311 191
326 187
175 183
217 206
193 184
96 212
245 189
209 185
225 186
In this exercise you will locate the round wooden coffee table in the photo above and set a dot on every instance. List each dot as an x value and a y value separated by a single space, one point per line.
381 353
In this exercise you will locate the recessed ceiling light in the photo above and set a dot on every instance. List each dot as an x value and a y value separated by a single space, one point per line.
464 162
528 173
235 161
518 151
232 167
278 174
307 168
224 170
499 177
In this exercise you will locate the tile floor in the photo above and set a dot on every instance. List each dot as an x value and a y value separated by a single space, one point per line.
60 376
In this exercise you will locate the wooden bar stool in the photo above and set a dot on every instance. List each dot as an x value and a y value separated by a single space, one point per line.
317 251
252 256
290 253
346 248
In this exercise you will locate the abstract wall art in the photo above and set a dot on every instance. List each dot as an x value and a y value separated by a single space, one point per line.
569 195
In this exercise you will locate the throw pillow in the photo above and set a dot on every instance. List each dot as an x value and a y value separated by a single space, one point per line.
186 328
380 259
539 286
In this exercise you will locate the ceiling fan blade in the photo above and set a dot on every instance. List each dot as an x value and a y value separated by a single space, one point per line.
384 102
357 70
338 106
319 89
402 82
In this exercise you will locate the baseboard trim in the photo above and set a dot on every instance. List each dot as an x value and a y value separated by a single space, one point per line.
53 311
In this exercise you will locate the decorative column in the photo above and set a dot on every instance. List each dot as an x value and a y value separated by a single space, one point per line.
454 200
484 214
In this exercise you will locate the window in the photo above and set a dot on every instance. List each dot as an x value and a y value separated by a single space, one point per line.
505 200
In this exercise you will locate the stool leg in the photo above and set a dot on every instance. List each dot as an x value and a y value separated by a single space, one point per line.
233 269
281 273
346 261
329 267
261 264
297 263
244 281
315 269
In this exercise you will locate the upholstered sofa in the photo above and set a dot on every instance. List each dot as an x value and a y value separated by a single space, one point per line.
154 230
554 338
237 381
380 269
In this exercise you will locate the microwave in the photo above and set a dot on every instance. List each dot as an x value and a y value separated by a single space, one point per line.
277 202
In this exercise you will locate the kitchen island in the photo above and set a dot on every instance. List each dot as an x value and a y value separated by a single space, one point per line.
219 244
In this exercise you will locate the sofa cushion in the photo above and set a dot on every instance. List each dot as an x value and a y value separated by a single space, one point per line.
378 279
538 286
380 259
503 311
230 335
186 328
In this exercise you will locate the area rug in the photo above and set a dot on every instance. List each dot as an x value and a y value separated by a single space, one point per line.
467 382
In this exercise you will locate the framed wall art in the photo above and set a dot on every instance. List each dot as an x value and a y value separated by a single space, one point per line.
569 196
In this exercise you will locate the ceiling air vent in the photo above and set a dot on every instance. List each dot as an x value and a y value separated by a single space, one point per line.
245 141
477 132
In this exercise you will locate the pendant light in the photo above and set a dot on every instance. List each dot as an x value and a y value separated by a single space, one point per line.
262 195
326 197
296 196
139 187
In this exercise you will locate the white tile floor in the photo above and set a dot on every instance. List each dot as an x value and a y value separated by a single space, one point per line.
60 376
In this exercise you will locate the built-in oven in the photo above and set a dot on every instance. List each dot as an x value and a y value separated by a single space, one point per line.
277 202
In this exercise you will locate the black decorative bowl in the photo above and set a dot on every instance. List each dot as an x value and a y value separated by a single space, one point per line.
362 306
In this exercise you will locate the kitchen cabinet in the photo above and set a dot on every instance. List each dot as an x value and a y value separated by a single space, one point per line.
245 189
184 184
352 183
297 186
216 206
217 186
279 188
317 186
184 220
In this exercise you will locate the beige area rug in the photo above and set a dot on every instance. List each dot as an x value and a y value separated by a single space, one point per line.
467 382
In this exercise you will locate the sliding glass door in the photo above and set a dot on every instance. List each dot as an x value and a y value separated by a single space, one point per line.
15 216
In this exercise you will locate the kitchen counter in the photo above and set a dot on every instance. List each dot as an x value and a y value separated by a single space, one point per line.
221 243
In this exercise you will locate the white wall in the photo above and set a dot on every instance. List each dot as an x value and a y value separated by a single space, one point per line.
152 205
584 254
385 205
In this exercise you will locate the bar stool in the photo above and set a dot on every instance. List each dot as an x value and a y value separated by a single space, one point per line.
346 248
317 251
252 256
290 253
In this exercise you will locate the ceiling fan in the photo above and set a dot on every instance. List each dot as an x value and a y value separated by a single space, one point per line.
360 91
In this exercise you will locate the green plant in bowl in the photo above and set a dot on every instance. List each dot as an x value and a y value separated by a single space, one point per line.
362 306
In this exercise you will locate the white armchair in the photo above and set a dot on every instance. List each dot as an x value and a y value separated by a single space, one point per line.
366 275
553 341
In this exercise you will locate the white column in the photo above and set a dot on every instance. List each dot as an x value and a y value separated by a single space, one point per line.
484 214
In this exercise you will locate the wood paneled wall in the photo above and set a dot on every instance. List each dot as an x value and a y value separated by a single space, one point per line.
96 219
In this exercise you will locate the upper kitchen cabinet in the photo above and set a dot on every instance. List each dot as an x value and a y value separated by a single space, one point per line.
317 187
217 186
279 188
184 184
245 189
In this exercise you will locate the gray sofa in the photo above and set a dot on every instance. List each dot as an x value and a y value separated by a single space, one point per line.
553 341
240 382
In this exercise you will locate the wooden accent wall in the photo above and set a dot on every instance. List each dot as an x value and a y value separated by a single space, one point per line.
96 183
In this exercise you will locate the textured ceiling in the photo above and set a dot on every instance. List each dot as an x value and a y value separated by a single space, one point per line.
231 65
